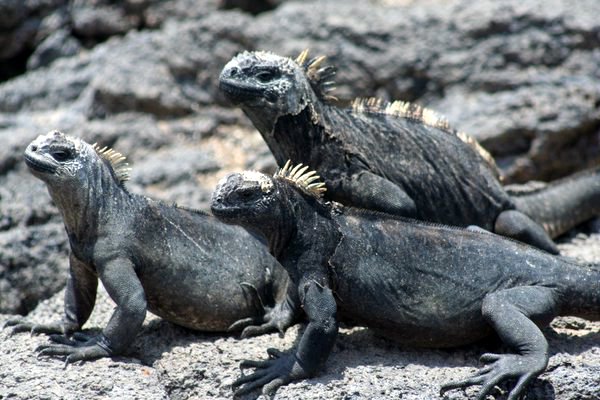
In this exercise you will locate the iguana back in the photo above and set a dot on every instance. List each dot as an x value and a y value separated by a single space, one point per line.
448 181
397 158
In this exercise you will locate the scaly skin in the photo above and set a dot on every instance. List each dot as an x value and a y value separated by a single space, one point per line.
401 160
562 204
183 265
417 283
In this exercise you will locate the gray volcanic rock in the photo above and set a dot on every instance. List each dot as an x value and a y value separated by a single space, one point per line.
22 247
495 69
142 76
58 44
522 77
102 19
172 166
25 377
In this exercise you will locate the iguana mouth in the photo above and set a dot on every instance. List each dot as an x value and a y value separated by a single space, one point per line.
239 92
36 164
221 210
226 212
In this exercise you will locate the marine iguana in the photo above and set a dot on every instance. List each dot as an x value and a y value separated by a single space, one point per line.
395 157
415 282
181 264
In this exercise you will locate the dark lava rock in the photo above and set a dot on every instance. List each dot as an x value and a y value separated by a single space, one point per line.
59 44
521 77
141 76
171 166
12 12
40 245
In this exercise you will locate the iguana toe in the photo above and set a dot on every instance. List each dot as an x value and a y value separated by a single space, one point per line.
270 374
17 325
79 348
502 367
241 324
20 325
73 353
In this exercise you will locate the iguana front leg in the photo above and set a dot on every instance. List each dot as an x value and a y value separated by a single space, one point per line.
312 352
80 296
367 190
514 313
516 225
123 286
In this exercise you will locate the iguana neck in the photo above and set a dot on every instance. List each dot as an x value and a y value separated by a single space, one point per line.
280 230
292 136
312 236
88 205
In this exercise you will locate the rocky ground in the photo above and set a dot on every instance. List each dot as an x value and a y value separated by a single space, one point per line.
141 76
170 362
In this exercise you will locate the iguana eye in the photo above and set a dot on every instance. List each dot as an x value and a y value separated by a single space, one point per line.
246 193
61 155
266 75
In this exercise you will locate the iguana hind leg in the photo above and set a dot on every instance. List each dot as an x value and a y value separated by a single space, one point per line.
514 313
277 317
516 225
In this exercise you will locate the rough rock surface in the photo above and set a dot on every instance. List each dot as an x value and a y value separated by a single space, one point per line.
171 362
521 76
141 76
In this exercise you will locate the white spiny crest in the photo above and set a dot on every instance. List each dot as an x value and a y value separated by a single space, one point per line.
320 77
116 160
470 140
402 109
301 59
297 175
405 109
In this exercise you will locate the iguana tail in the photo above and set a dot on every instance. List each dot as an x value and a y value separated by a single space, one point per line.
582 295
562 204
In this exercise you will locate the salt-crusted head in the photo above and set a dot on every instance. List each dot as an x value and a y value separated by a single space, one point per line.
57 159
267 86
254 199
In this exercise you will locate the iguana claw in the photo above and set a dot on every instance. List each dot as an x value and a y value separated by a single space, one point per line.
501 367
270 374
80 348
19 325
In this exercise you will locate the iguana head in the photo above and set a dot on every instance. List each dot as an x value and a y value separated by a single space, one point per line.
246 198
267 86
62 161
255 200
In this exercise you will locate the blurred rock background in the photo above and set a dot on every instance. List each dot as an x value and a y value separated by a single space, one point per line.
522 76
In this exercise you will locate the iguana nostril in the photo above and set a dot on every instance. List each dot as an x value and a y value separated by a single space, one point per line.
234 71
34 147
